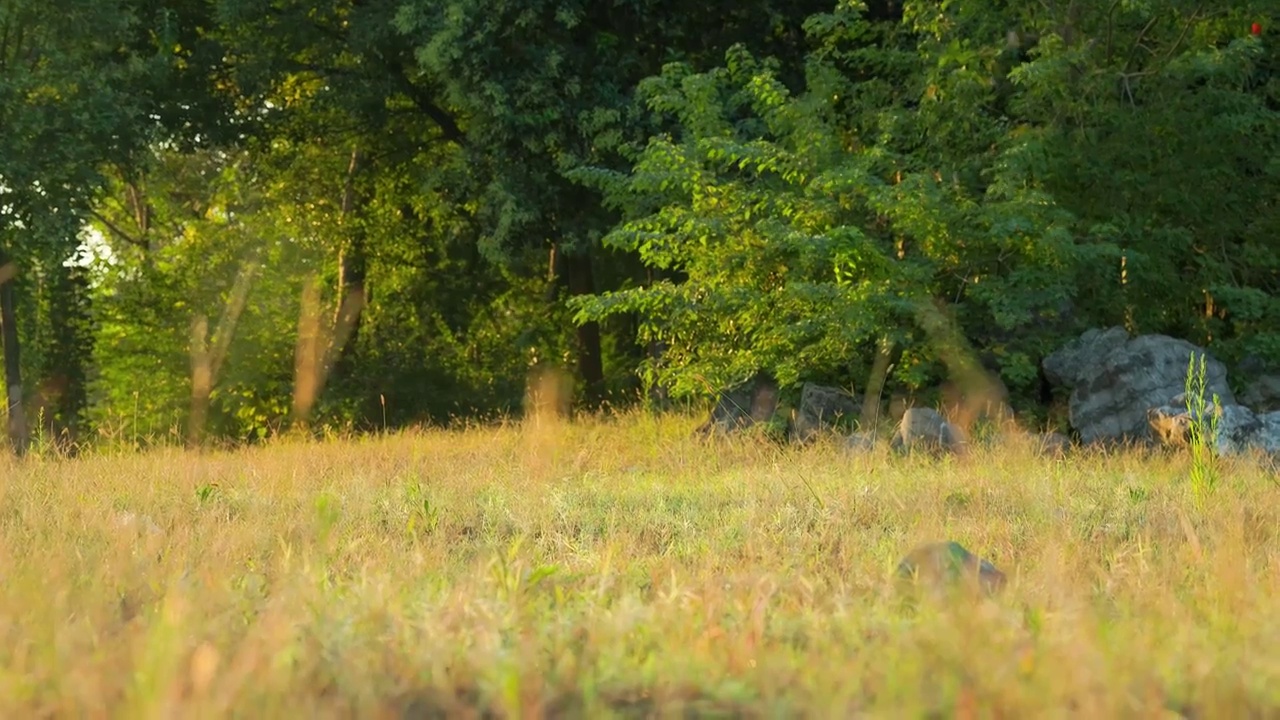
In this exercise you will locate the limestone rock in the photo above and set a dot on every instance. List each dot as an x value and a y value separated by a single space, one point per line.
1115 382
752 402
822 407
1239 429
942 565
925 429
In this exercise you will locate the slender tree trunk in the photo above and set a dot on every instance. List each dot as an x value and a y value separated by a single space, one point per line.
352 260
208 354
65 311
581 281
323 346
875 385
314 355
201 381
308 355
19 434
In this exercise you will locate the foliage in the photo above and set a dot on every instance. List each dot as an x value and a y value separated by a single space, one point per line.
206 231
941 161
84 86
723 189
806 228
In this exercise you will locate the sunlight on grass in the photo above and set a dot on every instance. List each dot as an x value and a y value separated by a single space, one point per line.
620 567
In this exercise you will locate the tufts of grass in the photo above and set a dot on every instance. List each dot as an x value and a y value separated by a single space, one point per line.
618 567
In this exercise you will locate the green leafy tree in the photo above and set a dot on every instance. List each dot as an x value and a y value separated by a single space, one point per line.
83 85
195 293
546 87
1155 125
338 190
473 112
986 159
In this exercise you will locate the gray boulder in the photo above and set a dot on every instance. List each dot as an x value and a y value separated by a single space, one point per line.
752 402
1262 393
1268 436
925 429
1114 382
860 442
1239 430
1052 444
822 408
1076 361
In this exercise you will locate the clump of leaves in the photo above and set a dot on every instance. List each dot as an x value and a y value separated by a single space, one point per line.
424 515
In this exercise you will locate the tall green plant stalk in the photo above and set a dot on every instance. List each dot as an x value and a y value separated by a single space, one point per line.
1202 440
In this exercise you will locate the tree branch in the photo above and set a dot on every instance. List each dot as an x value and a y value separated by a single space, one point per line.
1183 35
118 232
447 124
449 128
1137 43
1111 27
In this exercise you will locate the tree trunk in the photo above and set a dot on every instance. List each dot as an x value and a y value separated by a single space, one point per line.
308 355
207 356
19 435
201 381
352 262
581 281
875 385
62 394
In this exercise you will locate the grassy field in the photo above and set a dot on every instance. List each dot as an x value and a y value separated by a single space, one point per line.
621 568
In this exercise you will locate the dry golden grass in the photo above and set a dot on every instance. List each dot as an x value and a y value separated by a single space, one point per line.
619 567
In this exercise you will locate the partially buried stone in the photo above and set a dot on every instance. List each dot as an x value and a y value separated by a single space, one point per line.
944 564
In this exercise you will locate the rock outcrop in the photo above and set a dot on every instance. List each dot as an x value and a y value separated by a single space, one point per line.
1239 430
1114 380
1262 394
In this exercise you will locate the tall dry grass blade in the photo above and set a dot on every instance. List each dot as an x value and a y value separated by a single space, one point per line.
1193 538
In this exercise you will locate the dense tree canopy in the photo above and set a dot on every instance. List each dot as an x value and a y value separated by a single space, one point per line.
85 87
1036 173
229 217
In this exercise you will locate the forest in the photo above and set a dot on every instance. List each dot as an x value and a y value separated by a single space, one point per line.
221 219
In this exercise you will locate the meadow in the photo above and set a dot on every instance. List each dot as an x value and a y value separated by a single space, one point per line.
620 568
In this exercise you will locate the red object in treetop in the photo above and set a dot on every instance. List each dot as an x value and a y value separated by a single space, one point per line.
1256 29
